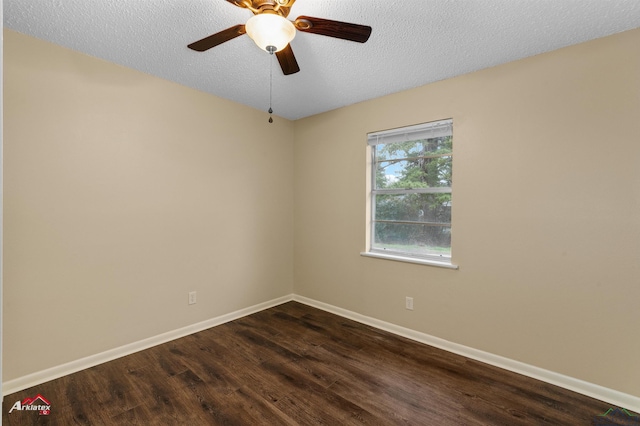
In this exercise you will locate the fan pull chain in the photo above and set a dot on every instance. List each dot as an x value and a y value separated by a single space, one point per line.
271 50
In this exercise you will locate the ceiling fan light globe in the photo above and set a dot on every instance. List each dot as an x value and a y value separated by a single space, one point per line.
269 29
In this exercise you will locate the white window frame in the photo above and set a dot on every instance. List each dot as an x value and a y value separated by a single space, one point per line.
420 131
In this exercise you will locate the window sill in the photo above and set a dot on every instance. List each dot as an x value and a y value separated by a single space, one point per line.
409 260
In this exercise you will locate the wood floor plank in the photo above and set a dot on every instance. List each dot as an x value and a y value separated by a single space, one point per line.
296 365
253 409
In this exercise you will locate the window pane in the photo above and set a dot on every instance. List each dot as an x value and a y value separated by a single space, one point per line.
412 238
414 173
409 149
414 207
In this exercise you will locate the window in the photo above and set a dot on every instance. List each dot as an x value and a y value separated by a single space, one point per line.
411 178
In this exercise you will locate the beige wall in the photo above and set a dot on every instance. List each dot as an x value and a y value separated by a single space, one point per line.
546 212
123 192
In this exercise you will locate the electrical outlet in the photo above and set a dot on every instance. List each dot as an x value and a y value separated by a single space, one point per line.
408 303
192 297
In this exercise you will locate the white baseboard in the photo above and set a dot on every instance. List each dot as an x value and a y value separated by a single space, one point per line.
602 393
611 396
52 373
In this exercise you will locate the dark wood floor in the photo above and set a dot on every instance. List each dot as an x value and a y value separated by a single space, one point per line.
296 365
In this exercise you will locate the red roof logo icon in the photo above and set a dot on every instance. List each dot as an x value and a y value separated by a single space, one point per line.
35 399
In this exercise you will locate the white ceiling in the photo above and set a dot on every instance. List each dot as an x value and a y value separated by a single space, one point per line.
414 42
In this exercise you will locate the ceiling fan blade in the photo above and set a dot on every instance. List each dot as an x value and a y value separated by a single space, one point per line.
217 38
337 29
287 61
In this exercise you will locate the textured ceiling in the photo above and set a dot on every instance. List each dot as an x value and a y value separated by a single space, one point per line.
414 42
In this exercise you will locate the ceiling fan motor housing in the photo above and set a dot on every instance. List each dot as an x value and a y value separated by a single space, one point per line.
281 7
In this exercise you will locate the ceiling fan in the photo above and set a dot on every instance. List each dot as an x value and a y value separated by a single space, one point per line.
272 31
